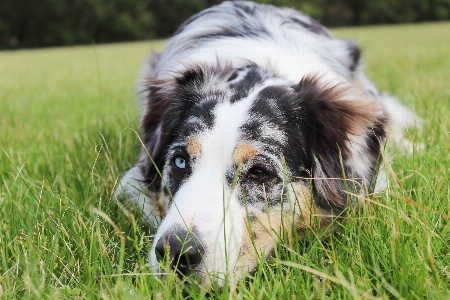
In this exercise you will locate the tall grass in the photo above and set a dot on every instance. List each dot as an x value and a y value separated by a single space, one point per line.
68 120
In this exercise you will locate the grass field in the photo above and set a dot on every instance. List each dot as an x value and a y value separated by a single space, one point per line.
68 120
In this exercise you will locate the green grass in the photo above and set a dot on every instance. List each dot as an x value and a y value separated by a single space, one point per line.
68 118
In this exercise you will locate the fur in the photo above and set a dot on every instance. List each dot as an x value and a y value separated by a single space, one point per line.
255 120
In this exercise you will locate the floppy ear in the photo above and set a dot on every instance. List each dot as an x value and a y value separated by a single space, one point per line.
348 133
164 107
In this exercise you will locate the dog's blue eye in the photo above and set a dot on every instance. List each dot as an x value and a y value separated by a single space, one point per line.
179 162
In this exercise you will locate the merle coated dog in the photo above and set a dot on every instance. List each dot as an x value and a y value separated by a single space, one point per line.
255 120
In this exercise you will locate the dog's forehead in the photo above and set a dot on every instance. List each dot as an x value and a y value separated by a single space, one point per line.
216 132
254 121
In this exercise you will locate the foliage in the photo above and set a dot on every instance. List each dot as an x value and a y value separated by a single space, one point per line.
31 23
68 118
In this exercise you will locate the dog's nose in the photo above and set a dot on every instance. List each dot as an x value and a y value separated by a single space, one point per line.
184 249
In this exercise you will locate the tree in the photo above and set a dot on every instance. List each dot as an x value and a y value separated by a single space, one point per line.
32 23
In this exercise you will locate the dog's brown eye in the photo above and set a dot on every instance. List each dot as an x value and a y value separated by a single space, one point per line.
256 173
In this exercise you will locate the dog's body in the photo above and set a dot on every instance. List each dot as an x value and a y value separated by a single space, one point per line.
254 119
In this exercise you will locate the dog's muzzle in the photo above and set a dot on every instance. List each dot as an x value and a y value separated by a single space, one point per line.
182 248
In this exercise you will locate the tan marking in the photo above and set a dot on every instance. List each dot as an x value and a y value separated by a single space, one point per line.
264 229
243 153
303 206
194 147
260 238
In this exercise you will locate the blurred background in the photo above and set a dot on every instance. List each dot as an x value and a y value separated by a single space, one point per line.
45 23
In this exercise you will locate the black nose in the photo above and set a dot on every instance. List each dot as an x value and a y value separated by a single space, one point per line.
184 249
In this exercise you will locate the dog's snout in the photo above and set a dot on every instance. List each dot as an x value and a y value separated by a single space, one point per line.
184 248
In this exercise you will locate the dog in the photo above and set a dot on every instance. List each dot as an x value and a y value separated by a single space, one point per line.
255 120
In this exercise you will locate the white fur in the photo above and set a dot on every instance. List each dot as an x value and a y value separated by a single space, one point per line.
135 192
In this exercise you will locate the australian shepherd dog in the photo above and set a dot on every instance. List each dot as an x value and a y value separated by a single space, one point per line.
255 120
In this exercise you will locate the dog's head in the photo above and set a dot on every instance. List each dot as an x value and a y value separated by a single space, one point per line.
235 156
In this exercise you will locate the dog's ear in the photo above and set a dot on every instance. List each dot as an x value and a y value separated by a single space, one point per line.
164 108
347 133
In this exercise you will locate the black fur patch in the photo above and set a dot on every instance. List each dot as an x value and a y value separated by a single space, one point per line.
177 175
355 55
244 86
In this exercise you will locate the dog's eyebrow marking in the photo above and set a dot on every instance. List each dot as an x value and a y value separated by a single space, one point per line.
194 147
243 153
